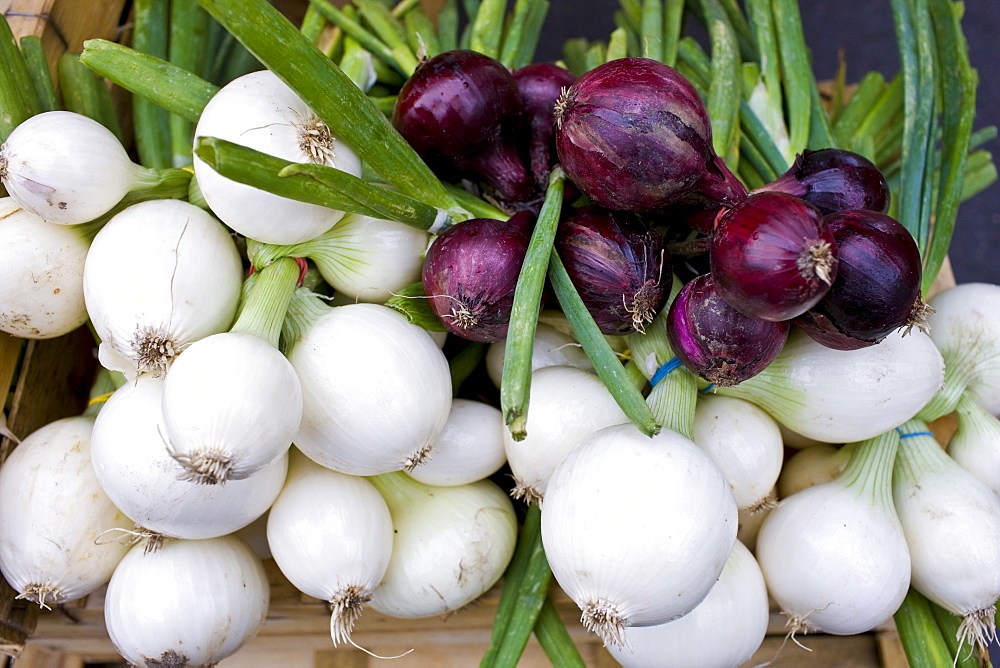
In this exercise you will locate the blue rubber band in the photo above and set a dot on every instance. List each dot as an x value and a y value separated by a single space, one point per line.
662 372
709 388
915 433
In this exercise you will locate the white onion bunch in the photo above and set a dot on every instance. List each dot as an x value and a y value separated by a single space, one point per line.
52 514
636 529
42 273
67 168
159 275
260 111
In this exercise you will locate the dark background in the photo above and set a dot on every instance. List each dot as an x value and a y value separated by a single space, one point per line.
863 30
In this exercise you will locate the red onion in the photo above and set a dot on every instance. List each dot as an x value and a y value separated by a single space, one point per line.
461 113
633 135
877 290
470 273
618 264
835 180
773 256
716 341
540 85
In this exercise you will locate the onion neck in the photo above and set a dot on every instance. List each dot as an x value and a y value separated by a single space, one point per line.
398 489
304 309
870 468
975 420
959 370
267 299
919 454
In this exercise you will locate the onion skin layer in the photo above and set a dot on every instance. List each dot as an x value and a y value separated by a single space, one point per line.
834 180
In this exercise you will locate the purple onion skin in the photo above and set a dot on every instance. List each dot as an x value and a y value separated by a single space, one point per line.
461 112
717 342
634 135
470 273
773 256
618 264
835 180
877 290
540 85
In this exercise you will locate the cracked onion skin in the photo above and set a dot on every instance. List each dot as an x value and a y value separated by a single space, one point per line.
773 256
877 289
633 135
618 264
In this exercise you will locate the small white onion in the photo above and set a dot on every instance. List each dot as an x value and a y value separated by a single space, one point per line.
159 276
451 544
469 448
744 442
725 629
231 405
552 347
260 111
144 481
65 167
331 535
637 529
42 274
813 466
52 512
567 404
376 389
191 602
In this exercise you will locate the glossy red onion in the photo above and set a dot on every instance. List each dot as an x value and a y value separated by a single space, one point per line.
773 256
835 180
461 112
540 85
716 341
470 273
618 264
877 290
634 135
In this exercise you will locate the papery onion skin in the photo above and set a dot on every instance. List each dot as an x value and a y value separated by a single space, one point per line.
877 289
470 274
633 134
834 180
717 342
539 86
460 111
773 256
618 264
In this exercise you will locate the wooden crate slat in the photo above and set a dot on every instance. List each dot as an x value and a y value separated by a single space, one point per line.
63 26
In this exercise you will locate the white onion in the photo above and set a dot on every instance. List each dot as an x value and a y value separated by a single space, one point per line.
833 555
975 445
191 602
376 389
838 396
813 466
52 512
451 544
636 529
744 442
725 629
261 112
42 273
551 347
952 526
331 535
144 481
231 405
469 448
567 404
65 167
159 275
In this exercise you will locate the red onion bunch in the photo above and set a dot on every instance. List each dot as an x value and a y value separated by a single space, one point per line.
461 112
618 264
877 289
471 271
716 341
539 86
633 135
773 256
835 180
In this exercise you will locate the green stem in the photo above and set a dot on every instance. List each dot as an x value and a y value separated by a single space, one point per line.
331 94
922 640
516 383
38 69
186 50
265 305
796 71
84 93
870 468
652 29
18 101
353 28
389 30
305 308
724 94
554 639
673 25
487 27
149 36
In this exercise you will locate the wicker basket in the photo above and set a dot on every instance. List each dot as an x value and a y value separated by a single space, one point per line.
51 379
